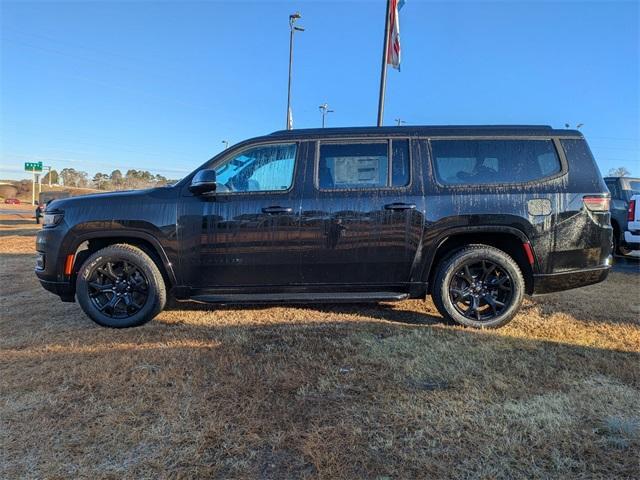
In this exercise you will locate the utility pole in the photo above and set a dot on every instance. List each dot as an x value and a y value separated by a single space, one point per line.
324 109
292 29
48 167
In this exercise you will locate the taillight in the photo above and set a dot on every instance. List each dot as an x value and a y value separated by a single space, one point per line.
596 204
631 215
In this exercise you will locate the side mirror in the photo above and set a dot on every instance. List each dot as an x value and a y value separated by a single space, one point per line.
203 182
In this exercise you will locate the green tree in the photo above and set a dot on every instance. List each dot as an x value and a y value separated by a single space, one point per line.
74 178
69 177
54 177
101 181
116 179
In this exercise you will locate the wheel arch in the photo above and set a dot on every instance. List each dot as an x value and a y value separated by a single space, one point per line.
508 239
86 244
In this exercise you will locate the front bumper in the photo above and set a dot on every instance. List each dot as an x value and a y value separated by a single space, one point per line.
556 282
49 266
64 290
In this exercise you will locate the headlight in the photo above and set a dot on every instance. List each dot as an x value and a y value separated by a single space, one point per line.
52 219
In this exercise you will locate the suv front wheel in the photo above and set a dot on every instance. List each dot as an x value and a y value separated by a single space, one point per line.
479 286
120 286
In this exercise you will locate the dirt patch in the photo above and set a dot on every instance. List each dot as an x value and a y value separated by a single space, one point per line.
349 391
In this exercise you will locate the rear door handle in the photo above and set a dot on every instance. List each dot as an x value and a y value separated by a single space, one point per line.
275 209
400 206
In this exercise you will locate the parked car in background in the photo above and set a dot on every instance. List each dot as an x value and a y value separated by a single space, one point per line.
622 190
12 201
477 217
632 233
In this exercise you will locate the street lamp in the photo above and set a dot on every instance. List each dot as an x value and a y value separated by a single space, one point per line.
324 109
399 121
226 144
292 29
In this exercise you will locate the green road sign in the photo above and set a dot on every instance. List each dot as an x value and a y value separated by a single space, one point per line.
33 166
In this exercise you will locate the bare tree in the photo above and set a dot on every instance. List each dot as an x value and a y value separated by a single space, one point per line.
619 172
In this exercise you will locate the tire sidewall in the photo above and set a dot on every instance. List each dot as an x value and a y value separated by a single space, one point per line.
501 259
154 301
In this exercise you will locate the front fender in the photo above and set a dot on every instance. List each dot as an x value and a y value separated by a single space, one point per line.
162 240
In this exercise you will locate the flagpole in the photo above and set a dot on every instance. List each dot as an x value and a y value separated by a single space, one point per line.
383 71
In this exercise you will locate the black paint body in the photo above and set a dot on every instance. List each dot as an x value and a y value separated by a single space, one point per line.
347 240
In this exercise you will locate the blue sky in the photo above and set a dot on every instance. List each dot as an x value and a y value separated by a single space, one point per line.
158 85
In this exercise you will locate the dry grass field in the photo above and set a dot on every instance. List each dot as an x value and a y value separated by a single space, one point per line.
358 391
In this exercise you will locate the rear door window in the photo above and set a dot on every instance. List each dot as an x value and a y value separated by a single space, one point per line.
476 162
347 166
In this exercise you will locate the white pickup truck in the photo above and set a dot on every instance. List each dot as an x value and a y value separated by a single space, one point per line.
632 234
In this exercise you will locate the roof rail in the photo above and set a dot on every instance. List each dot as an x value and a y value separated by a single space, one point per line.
409 128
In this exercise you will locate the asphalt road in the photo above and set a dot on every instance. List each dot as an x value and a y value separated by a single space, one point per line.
627 264
16 209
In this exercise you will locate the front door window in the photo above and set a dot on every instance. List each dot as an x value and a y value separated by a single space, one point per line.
267 168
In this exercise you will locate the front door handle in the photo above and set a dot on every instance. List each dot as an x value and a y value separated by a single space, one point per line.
400 206
276 209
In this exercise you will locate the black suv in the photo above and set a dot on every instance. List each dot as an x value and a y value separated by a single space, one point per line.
475 216
622 189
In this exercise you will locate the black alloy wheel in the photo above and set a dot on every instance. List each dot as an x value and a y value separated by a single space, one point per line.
481 290
478 286
118 289
121 286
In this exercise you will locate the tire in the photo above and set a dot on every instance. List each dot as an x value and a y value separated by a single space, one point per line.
619 247
473 296
120 286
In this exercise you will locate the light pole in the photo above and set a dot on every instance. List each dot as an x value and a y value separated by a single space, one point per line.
324 109
226 144
292 29
399 121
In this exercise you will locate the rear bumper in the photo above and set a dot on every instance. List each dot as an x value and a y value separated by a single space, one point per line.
632 240
556 282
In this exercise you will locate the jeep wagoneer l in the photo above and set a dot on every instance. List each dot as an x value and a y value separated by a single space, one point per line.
477 217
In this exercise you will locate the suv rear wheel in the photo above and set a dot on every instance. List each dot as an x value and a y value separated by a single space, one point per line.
479 286
120 286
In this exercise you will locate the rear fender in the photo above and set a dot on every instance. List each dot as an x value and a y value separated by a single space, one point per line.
422 272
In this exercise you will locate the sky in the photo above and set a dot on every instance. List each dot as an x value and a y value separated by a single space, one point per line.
159 85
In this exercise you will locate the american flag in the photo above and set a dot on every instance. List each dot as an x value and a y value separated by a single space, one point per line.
393 55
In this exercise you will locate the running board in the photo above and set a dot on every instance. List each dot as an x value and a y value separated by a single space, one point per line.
338 297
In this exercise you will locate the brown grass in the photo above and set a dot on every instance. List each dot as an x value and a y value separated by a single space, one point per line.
360 391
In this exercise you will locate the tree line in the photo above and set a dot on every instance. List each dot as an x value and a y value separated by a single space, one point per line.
136 179
116 180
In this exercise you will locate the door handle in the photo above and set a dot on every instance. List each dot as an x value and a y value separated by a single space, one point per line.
275 209
400 206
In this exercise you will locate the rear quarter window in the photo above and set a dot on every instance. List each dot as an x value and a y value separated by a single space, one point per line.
484 162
